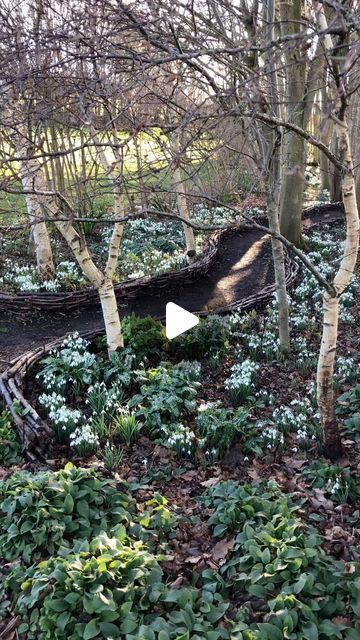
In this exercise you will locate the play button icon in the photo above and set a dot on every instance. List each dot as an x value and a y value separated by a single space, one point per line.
178 320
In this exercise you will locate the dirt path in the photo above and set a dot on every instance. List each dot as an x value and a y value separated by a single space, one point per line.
242 267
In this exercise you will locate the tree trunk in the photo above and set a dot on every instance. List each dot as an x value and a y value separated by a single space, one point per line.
335 176
326 135
111 316
40 236
179 188
280 276
292 188
292 192
325 369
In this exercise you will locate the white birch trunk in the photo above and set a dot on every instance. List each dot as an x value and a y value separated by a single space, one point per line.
326 362
280 278
111 316
101 281
42 247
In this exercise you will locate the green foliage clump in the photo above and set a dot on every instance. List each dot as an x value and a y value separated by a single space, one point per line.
279 568
45 511
338 483
166 393
112 588
10 447
217 428
210 337
145 336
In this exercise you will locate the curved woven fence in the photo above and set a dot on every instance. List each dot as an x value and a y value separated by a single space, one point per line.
20 303
33 430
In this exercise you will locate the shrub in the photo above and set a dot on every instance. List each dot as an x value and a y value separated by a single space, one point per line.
145 336
209 337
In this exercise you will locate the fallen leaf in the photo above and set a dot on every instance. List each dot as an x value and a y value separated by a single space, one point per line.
210 483
193 559
222 548
319 500
177 583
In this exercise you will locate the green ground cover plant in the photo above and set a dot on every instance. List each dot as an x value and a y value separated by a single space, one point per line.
10 446
277 582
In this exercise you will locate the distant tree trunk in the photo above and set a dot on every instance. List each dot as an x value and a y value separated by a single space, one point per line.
335 175
39 233
326 135
179 188
272 178
293 178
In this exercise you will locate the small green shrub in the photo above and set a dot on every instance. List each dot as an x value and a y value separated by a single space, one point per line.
210 337
145 336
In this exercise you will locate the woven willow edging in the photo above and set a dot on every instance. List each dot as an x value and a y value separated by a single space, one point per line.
21 303
128 289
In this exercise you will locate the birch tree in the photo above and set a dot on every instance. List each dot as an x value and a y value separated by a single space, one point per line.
325 369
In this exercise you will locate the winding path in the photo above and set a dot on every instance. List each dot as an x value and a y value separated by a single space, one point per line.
242 268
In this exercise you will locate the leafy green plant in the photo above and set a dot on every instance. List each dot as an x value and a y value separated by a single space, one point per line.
10 447
352 427
45 511
339 483
125 426
145 336
349 402
235 504
112 588
112 456
120 367
71 363
278 566
217 429
102 400
165 394
210 337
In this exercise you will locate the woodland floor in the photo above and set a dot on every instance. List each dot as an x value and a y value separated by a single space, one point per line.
242 267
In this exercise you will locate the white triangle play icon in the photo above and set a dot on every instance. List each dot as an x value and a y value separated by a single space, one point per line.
178 320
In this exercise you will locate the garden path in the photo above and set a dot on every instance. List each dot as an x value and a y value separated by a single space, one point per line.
242 267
